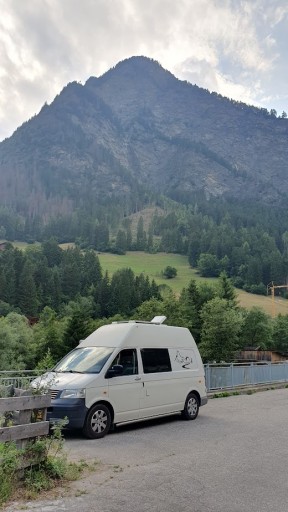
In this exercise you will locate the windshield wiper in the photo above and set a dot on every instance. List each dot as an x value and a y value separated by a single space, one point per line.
67 371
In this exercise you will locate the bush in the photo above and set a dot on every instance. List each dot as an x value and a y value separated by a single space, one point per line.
208 265
169 272
238 282
8 467
258 289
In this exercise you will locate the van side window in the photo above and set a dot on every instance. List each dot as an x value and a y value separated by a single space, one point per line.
155 360
128 359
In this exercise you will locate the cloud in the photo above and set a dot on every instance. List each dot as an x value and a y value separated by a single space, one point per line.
241 56
234 47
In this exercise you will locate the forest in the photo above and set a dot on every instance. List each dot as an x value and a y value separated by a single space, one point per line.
247 241
52 298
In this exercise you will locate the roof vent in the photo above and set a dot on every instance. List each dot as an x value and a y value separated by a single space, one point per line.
158 320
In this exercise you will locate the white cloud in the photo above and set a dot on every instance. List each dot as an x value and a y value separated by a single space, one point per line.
232 46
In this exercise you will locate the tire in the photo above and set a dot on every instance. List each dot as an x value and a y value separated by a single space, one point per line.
191 408
98 422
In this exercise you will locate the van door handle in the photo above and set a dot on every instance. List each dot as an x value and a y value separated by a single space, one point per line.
137 378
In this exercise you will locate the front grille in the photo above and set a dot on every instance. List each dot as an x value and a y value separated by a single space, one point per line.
54 393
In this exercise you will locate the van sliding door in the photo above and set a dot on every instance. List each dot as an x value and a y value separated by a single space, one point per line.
159 393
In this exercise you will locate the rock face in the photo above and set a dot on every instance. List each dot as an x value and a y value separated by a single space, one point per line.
137 127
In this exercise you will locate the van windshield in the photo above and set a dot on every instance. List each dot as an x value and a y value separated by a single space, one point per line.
84 360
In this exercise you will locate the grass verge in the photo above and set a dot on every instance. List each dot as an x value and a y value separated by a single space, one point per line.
39 467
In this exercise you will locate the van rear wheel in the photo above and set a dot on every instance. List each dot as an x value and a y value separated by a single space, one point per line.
98 422
191 408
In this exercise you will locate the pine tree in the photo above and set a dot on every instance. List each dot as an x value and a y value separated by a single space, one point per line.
91 271
71 273
227 290
52 252
78 329
141 235
102 295
122 292
27 294
121 240
150 242
56 295
129 238
190 303
8 283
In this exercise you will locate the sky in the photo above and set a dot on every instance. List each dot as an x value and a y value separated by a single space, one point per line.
237 48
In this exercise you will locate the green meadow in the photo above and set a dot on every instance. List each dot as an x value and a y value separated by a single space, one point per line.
152 265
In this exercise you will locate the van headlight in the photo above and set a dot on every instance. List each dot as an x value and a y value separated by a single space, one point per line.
73 393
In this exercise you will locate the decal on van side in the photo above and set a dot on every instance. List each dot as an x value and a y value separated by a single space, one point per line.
185 361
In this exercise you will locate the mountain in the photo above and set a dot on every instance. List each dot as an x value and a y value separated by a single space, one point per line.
138 130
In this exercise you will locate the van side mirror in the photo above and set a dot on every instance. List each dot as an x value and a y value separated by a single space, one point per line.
114 371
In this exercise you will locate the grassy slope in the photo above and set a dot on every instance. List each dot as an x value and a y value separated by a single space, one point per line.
152 265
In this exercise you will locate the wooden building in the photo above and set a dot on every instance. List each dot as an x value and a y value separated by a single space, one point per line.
256 354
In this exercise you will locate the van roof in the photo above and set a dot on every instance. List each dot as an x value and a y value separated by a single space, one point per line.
135 333
156 320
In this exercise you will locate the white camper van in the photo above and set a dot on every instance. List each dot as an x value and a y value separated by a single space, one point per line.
126 372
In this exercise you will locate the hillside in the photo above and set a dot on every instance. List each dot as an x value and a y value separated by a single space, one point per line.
134 133
151 265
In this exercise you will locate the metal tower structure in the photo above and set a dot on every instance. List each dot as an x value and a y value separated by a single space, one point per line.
271 286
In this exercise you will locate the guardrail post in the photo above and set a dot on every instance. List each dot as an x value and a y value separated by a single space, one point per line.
252 373
207 376
270 371
232 375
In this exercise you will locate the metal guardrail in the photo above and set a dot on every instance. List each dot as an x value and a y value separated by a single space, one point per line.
233 375
218 376
17 378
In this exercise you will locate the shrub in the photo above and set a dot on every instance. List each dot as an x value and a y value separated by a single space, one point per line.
47 465
169 272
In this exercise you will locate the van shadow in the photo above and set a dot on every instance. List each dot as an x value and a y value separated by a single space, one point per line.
131 427
139 425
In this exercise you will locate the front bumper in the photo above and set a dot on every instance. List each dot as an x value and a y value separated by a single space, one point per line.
74 410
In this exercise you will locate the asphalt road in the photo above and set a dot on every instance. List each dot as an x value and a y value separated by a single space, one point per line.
233 457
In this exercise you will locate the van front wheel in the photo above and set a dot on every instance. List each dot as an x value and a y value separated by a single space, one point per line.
191 408
98 422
